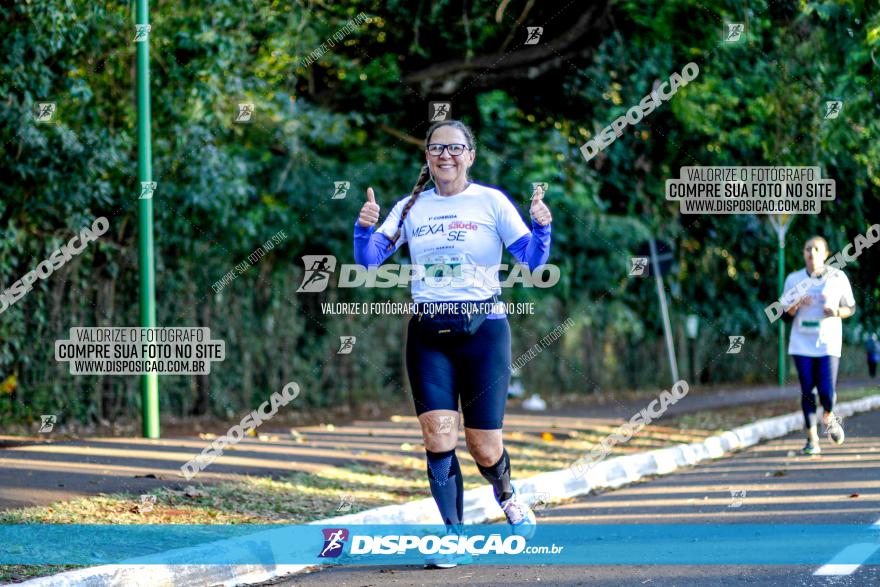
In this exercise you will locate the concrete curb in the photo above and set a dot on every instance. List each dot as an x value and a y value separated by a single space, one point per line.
479 506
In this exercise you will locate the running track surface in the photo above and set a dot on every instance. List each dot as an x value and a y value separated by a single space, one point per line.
42 470
780 489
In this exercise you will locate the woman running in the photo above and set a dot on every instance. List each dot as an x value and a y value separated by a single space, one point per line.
457 224
817 337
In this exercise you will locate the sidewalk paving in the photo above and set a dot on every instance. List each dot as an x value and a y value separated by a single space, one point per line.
697 400
40 471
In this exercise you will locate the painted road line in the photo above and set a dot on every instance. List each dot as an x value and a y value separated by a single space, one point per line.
860 551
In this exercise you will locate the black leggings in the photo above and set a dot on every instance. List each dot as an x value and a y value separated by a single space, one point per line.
474 368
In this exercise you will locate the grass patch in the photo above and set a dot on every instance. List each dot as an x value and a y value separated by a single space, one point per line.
715 421
20 573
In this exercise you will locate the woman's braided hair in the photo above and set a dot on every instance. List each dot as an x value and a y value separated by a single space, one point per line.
425 174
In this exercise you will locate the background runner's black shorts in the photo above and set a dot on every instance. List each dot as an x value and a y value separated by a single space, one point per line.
474 369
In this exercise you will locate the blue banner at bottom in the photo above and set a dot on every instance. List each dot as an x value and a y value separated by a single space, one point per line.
569 544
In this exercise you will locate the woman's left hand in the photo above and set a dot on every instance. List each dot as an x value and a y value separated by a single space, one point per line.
539 210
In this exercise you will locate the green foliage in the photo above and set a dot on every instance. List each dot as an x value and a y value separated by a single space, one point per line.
224 188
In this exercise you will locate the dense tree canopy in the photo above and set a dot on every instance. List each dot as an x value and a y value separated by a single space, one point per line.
358 113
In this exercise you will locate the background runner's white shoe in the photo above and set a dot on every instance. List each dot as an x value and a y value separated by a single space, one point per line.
834 430
520 516
443 562
447 561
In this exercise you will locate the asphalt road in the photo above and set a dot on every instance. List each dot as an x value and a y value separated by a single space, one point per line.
42 470
842 486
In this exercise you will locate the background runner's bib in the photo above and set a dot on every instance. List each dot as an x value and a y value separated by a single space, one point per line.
805 326
450 235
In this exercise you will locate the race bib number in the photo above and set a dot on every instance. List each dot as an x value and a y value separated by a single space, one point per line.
808 326
442 267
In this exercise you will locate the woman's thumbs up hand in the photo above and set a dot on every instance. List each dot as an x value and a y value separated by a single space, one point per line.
369 214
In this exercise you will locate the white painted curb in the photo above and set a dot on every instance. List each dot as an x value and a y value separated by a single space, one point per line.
479 506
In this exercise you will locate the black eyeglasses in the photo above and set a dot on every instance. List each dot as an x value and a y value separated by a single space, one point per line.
455 149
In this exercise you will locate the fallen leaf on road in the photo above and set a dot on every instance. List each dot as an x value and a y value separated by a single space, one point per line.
854 495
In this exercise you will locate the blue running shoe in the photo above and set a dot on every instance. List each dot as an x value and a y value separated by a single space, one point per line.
519 516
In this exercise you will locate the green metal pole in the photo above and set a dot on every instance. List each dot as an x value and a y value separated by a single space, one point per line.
781 282
150 381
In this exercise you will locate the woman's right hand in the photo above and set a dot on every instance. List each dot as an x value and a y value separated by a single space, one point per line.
793 310
369 214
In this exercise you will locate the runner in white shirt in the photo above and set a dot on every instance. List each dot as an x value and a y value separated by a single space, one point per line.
817 336
453 231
